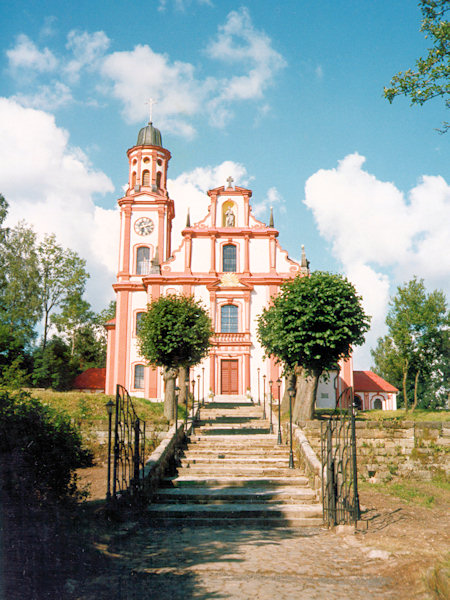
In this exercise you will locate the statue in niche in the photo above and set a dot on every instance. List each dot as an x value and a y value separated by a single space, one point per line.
229 218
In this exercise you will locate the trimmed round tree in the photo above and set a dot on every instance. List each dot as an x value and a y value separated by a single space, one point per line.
174 332
309 327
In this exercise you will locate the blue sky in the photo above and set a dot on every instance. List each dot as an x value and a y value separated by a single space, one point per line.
287 97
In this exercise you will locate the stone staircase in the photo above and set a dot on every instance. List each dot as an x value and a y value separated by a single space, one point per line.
233 471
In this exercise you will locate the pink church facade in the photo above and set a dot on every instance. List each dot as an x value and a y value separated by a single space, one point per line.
229 260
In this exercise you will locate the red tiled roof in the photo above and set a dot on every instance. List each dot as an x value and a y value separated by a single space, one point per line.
367 381
91 379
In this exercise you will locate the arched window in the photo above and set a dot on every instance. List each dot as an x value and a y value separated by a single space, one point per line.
229 258
158 179
138 383
229 322
133 179
146 177
377 404
358 402
139 317
143 260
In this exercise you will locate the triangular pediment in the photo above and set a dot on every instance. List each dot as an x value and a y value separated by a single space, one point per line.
229 281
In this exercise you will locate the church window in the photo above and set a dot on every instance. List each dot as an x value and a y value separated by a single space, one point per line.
139 317
159 161
146 159
158 179
138 377
133 179
143 260
229 258
145 177
229 319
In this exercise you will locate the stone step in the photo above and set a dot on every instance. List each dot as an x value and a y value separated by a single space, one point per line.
216 495
235 460
220 454
234 472
250 441
222 481
238 471
286 514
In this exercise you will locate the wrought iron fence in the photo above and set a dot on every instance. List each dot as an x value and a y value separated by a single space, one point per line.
339 465
129 448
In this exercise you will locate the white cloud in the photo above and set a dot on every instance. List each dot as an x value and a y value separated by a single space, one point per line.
189 189
141 73
272 199
87 49
26 55
181 93
249 64
239 43
380 236
51 185
181 4
48 28
46 97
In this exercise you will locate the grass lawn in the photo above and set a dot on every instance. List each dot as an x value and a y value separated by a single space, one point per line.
418 415
412 491
90 408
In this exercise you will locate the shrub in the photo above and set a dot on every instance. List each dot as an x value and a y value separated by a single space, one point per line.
39 448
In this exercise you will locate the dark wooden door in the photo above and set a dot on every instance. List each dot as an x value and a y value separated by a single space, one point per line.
229 376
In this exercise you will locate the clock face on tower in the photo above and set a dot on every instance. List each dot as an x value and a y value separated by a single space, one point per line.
143 226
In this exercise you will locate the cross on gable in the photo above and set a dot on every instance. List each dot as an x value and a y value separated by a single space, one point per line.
230 181
151 102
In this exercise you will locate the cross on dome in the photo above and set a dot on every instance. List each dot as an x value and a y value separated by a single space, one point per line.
151 102
230 181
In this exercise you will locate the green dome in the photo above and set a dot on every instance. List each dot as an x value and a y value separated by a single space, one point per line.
149 136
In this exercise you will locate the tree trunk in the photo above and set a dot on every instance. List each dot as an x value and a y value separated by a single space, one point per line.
169 376
405 373
290 380
182 385
44 340
416 381
306 396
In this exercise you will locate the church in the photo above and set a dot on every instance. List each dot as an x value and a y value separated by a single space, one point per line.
229 260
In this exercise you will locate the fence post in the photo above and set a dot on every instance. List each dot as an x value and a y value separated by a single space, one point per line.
116 443
356 507
136 456
331 482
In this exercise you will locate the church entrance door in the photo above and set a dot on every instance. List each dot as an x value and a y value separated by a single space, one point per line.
229 376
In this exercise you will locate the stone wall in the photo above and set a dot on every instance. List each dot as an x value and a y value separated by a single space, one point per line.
386 449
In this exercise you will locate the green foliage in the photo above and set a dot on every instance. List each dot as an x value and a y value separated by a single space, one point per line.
19 294
175 332
313 322
35 281
53 366
415 356
431 77
39 446
63 280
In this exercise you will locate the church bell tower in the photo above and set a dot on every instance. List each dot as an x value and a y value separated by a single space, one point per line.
146 215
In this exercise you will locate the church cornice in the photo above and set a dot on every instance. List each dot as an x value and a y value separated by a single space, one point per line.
234 191
214 283
227 232
154 199
158 149
128 286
